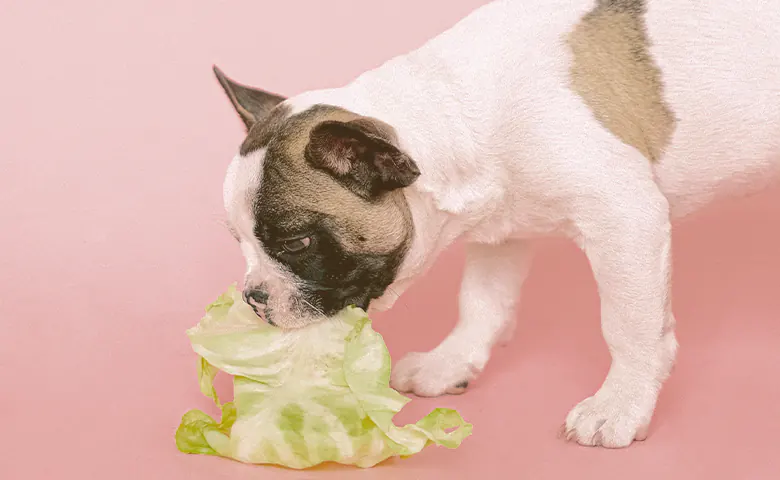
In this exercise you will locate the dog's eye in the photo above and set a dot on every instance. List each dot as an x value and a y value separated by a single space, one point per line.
296 246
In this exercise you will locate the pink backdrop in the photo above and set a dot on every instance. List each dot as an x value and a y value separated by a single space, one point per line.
114 139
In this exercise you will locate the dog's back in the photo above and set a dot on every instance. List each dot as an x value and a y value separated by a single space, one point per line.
720 64
693 85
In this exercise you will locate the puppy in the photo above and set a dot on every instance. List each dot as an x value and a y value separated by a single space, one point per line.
598 120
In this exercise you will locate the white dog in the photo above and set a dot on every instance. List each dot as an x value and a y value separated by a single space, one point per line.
598 120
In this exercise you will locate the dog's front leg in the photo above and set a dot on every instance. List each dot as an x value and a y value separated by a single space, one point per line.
489 290
626 235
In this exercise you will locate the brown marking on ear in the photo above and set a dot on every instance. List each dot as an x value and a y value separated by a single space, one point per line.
377 128
355 154
616 76
252 104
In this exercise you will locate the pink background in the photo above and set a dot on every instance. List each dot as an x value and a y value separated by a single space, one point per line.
114 139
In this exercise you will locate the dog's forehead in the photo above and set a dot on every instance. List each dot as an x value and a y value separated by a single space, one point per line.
290 128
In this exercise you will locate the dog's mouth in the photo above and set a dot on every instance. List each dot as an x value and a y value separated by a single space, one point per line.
330 301
264 312
360 300
317 307
361 303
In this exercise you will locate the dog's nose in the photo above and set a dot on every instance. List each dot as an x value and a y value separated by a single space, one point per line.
257 298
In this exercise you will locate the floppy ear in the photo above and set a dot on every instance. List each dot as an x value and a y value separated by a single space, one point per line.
357 156
252 105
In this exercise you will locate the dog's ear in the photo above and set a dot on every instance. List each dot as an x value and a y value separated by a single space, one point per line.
356 154
252 105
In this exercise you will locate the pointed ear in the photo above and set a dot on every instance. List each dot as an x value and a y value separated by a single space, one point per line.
252 105
357 156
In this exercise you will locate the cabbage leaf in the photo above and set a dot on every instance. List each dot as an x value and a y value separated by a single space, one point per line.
303 397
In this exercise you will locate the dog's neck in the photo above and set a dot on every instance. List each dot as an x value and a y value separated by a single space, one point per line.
460 184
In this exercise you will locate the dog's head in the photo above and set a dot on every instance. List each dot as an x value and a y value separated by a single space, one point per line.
314 199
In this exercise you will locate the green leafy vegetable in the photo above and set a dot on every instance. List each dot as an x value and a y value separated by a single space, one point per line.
303 397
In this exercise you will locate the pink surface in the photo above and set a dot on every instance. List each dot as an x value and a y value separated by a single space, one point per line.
115 137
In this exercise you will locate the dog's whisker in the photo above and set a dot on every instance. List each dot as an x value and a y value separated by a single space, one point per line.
397 296
313 307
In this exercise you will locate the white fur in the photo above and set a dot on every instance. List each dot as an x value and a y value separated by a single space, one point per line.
508 152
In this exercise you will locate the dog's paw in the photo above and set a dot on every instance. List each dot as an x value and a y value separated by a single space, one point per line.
433 373
611 418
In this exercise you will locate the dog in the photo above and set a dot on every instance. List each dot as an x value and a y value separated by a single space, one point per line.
601 121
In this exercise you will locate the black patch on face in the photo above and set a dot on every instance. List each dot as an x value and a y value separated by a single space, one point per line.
331 278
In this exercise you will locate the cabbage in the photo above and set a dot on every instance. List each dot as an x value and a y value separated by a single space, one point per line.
303 397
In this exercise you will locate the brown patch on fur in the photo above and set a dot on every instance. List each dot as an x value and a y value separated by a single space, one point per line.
263 131
293 189
614 73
